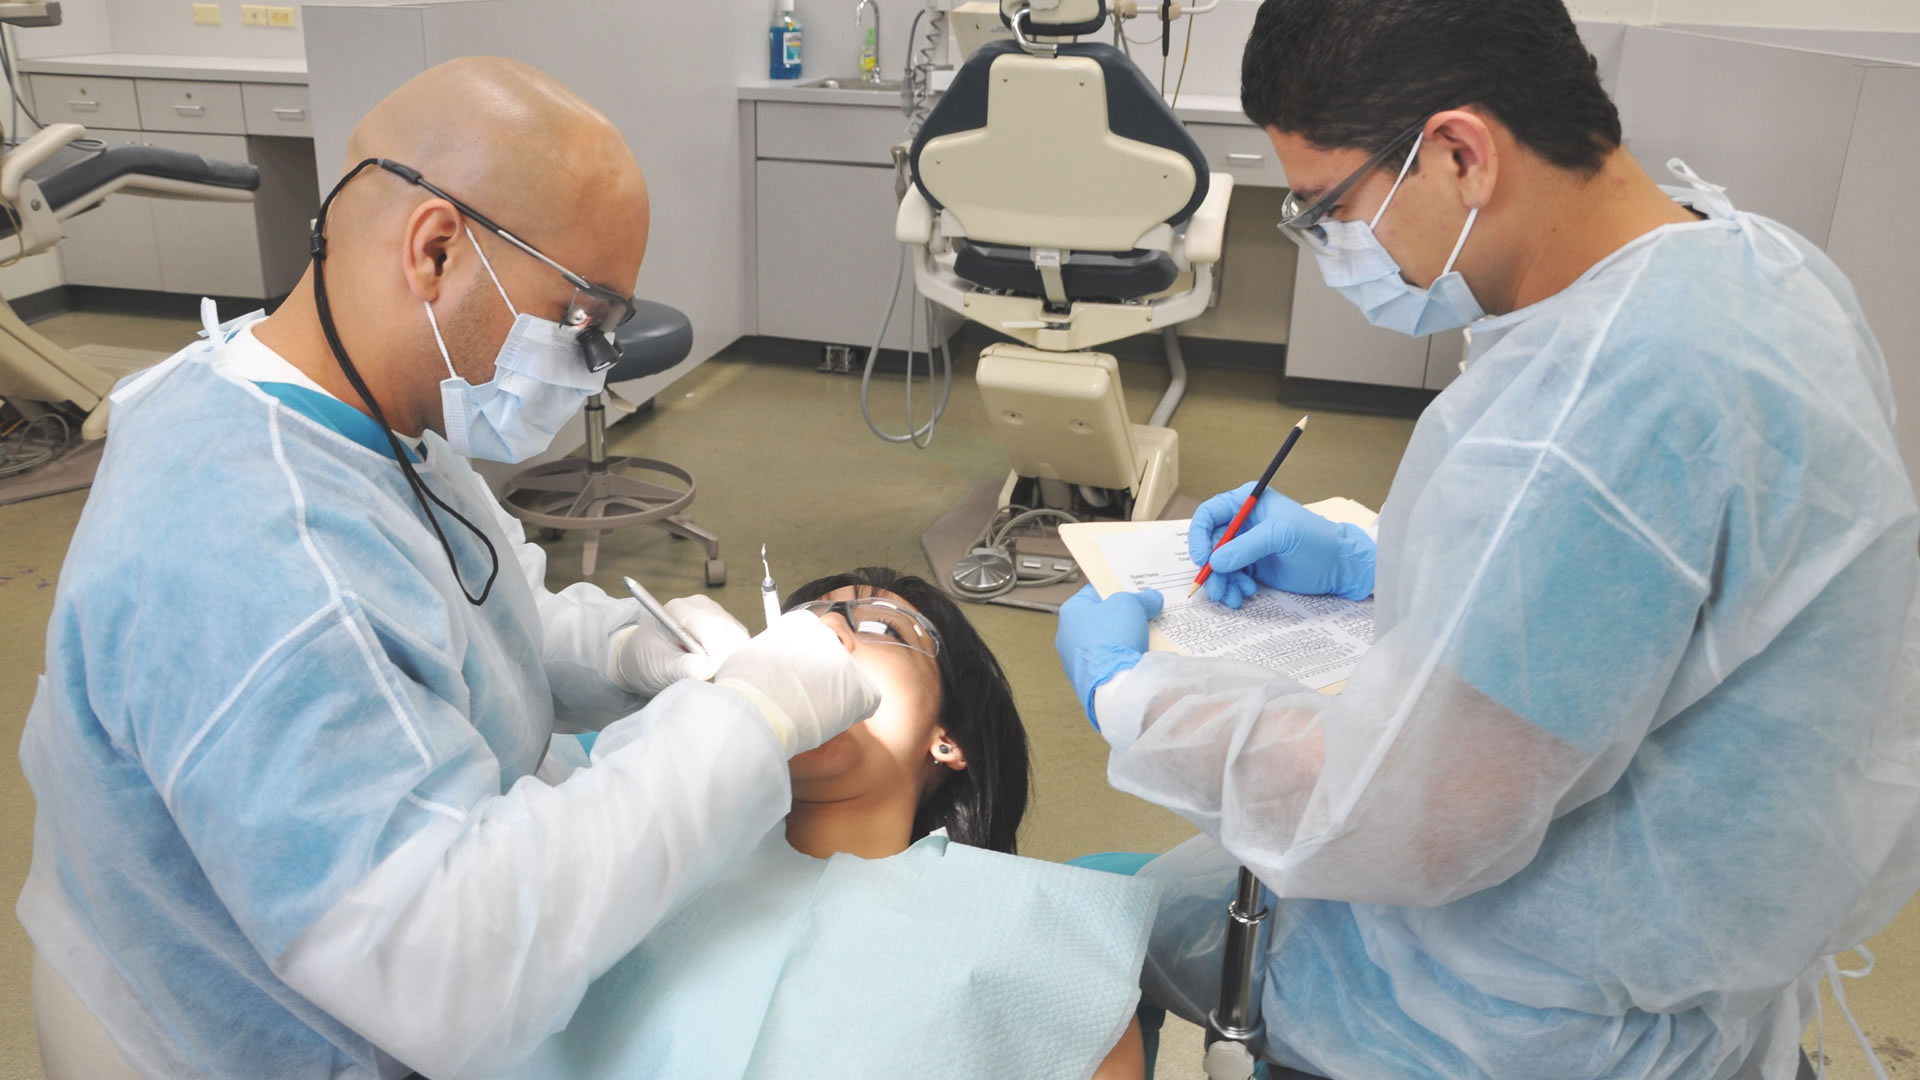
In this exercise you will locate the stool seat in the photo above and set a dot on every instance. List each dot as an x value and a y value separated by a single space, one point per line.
655 339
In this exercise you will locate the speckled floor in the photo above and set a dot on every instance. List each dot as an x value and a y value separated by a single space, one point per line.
782 457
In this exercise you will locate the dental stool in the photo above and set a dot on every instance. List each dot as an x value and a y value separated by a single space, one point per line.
598 494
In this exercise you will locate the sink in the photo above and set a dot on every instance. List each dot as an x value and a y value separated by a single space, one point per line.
852 82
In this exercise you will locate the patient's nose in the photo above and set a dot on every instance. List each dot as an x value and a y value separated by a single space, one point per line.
837 623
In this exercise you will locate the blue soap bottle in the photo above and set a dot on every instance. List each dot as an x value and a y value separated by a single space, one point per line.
784 38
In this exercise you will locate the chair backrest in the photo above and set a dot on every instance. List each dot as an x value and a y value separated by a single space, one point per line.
1075 151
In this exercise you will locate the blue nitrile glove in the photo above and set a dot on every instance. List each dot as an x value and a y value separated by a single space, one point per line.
1283 545
1099 639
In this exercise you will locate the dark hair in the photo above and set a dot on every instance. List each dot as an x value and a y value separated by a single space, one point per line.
981 804
1356 73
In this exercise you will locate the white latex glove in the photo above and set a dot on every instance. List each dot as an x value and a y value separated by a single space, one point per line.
804 681
643 658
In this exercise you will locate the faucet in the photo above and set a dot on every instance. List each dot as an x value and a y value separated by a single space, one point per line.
869 42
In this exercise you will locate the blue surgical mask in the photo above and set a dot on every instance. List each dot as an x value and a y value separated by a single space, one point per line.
539 383
1359 267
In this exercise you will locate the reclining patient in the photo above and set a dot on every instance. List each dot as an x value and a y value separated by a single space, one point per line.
887 930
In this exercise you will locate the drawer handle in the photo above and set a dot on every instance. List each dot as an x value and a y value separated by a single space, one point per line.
83 105
290 114
1247 159
190 110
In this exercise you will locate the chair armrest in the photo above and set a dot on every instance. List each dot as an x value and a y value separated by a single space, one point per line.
31 154
1207 230
914 223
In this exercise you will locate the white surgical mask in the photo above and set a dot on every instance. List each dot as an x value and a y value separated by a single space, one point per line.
1353 262
539 382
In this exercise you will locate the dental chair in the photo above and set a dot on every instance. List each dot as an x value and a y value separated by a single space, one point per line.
43 182
1056 199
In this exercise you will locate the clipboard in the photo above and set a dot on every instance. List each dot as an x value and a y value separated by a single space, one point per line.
1083 542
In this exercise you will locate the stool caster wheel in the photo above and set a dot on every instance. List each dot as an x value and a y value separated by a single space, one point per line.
548 536
716 573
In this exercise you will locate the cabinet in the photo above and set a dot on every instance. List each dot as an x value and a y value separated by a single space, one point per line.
827 255
1331 339
825 259
113 244
251 250
209 248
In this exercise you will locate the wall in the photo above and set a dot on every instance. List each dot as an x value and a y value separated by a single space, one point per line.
1830 14
163 27
666 74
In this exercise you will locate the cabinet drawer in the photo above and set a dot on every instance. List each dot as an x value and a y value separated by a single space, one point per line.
84 100
843 134
276 109
178 105
1241 150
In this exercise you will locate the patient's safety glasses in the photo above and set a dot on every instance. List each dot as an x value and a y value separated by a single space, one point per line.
881 622
595 309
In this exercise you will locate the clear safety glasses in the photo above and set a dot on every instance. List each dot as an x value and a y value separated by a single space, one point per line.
595 309
881 622
1299 220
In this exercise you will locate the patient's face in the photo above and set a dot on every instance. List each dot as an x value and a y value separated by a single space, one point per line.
890 751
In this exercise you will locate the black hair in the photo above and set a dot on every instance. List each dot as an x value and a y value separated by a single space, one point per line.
1356 73
982 804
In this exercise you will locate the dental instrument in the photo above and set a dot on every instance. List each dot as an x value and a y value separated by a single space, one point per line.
769 593
658 611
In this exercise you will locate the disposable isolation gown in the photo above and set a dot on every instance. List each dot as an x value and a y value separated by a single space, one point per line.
1637 744
287 819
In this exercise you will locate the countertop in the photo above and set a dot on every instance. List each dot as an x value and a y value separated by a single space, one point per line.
152 66
1193 108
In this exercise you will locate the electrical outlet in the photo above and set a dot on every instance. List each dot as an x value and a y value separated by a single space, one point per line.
253 14
206 14
281 17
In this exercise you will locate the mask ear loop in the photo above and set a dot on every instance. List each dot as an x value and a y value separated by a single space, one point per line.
1472 215
1392 191
484 261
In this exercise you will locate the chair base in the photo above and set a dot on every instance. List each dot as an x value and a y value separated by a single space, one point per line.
575 495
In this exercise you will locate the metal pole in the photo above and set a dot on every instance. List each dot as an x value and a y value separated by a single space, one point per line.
1243 965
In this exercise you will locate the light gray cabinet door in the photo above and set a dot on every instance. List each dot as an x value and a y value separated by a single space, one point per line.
826 253
112 245
1330 339
1445 353
207 248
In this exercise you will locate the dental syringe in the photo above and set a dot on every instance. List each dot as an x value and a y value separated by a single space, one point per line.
769 592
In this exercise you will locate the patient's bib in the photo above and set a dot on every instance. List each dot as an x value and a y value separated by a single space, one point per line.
944 960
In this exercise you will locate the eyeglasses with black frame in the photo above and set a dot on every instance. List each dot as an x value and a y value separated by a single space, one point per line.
1298 220
594 309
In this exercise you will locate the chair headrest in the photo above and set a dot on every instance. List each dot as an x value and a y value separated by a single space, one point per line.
1078 151
1057 18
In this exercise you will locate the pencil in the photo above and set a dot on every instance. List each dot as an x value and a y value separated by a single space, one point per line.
1239 519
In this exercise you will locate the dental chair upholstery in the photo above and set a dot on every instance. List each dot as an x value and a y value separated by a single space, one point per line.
50 178
1113 132
1056 198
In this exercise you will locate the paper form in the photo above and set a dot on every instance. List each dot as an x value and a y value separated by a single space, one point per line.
1314 640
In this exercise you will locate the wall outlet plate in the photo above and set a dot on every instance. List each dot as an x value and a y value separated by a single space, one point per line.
253 14
280 17
206 14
